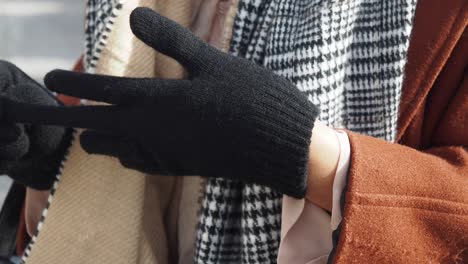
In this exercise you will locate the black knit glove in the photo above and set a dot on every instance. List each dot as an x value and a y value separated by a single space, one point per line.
230 118
30 154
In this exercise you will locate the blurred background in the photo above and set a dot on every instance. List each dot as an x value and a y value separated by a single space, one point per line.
38 36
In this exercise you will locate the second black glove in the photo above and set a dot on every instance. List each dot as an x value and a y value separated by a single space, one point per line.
30 154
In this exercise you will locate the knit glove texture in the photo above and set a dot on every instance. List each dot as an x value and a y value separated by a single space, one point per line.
231 118
30 154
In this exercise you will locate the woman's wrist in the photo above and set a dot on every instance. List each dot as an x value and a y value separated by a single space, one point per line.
36 201
323 160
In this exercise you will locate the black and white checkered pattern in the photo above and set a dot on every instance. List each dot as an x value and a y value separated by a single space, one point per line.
100 16
348 57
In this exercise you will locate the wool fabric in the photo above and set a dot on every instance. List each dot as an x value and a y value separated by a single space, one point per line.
30 154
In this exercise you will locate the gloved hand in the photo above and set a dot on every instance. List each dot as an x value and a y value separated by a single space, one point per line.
230 118
30 154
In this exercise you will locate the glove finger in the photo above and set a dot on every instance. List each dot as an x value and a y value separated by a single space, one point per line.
9 132
172 39
34 94
111 89
15 150
11 75
104 143
142 165
108 118
127 151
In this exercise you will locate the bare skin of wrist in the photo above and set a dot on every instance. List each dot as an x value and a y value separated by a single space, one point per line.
323 161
